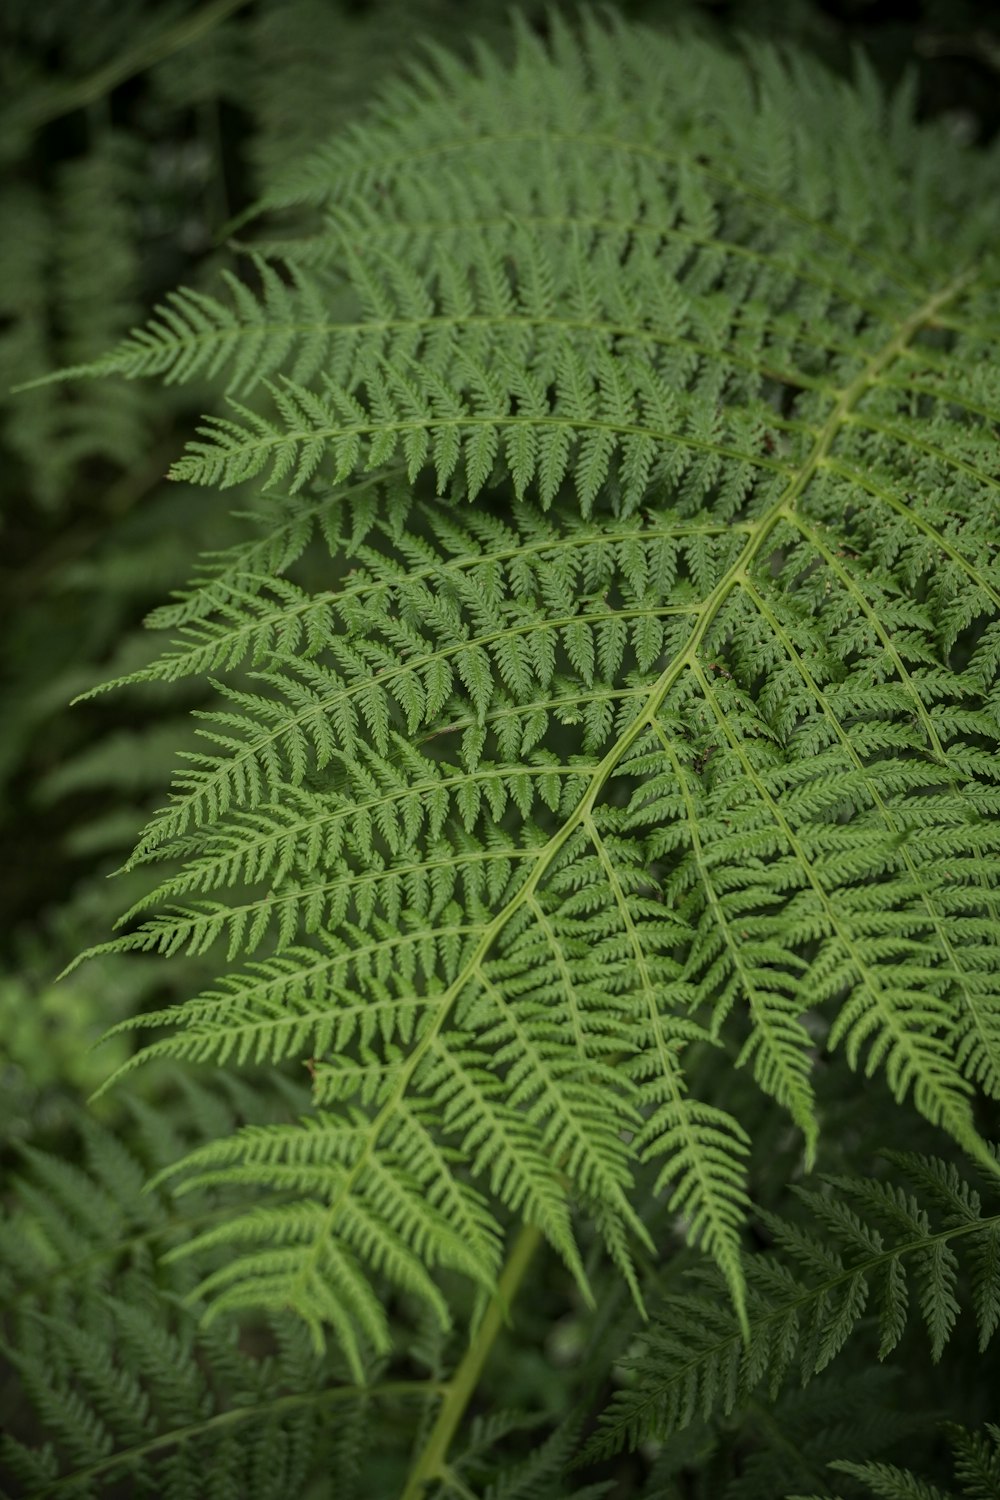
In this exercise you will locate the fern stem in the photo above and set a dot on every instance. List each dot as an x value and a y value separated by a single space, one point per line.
103 80
430 1461
270 1406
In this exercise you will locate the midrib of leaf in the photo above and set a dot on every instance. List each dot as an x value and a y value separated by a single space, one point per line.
118 361
272 1405
530 1048
940 755
668 1062
214 868
228 914
193 461
430 1461
845 471
171 667
939 393
743 188
782 508
810 534
175 820
392 229
303 974
910 440
541 916
167 824
687 159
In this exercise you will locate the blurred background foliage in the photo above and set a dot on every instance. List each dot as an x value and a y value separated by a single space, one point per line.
134 137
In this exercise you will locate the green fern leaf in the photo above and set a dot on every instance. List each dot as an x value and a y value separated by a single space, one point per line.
681 737
870 1248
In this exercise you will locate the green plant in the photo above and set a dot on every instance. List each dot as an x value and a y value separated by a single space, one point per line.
599 801
977 1466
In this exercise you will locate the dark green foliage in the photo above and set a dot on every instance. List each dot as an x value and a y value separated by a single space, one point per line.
977 1470
107 1347
870 1250
592 793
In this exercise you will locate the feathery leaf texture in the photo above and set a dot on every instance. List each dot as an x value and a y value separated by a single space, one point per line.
128 1388
682 736
977 1468
871 1253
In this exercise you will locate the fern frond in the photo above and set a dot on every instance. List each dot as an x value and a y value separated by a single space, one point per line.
977 1467
682 736
870 1253
126 1387
846 1414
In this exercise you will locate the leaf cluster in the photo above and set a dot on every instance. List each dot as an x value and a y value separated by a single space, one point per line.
596 753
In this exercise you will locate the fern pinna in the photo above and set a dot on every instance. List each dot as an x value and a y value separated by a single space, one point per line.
608 679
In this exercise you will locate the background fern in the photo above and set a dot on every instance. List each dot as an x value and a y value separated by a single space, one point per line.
594 850
102 1341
